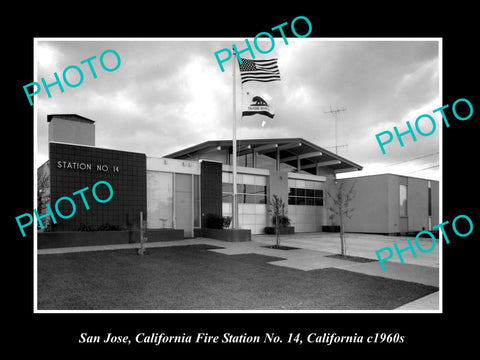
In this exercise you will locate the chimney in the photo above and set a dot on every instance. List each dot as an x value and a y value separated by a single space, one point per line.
71 128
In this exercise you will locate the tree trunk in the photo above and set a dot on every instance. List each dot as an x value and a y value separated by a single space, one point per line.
342 239
143 226
277 230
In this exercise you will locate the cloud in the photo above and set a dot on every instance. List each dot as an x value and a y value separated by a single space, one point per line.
167 95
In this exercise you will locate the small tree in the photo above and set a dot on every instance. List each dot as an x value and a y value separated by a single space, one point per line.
279 216
340 205
143 238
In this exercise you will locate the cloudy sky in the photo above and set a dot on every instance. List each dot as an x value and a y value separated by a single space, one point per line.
169 94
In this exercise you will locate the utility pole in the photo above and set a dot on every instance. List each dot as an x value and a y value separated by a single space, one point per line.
335 113
234 146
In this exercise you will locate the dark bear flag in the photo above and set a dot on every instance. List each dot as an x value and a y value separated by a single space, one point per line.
257 105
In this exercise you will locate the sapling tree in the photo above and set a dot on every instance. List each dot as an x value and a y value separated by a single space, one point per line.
340 204
143 238
279 215
43 191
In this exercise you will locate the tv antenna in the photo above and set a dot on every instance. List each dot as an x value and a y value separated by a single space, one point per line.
335 114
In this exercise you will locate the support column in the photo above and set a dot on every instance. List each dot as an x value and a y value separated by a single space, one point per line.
227 156
277 161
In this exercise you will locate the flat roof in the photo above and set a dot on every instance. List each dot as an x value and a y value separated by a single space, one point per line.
388 174
291 151
74 117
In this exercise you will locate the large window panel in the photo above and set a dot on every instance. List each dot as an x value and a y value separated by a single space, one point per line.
160 195
310 196
429 201
227 177
227 187
403 200
261 189
183 183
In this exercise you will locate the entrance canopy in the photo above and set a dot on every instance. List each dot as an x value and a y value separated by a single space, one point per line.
296 152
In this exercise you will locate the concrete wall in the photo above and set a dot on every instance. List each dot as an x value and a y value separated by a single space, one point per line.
435 203
370 204
395 223
278 185
417 192
377 204
71 131
173 165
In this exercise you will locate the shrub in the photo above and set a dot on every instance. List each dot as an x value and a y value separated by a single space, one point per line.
226 221
84 227
214 221
108 227
283 221
104 227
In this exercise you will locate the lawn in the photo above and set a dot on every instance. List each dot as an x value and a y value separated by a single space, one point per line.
194 278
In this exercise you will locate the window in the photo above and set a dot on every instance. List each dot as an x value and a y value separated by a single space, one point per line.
227 188
246 193
251 194
227 198
160 195
309 197
429 201
403 200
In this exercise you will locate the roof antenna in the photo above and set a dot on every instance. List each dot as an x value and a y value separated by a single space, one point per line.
335 113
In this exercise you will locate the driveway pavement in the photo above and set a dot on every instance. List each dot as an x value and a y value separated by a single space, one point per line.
363 245
423 269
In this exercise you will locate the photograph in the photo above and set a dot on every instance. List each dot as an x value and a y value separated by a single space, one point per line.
289 182
240 179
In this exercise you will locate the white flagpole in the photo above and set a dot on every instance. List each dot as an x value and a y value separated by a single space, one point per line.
234 147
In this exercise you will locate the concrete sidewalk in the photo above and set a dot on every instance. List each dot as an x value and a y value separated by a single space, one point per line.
423 269
309 255
363 245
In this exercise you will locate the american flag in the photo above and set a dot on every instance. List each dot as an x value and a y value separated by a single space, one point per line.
259 70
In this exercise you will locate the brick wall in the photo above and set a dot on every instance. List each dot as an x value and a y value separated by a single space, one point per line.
211 189
124 171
